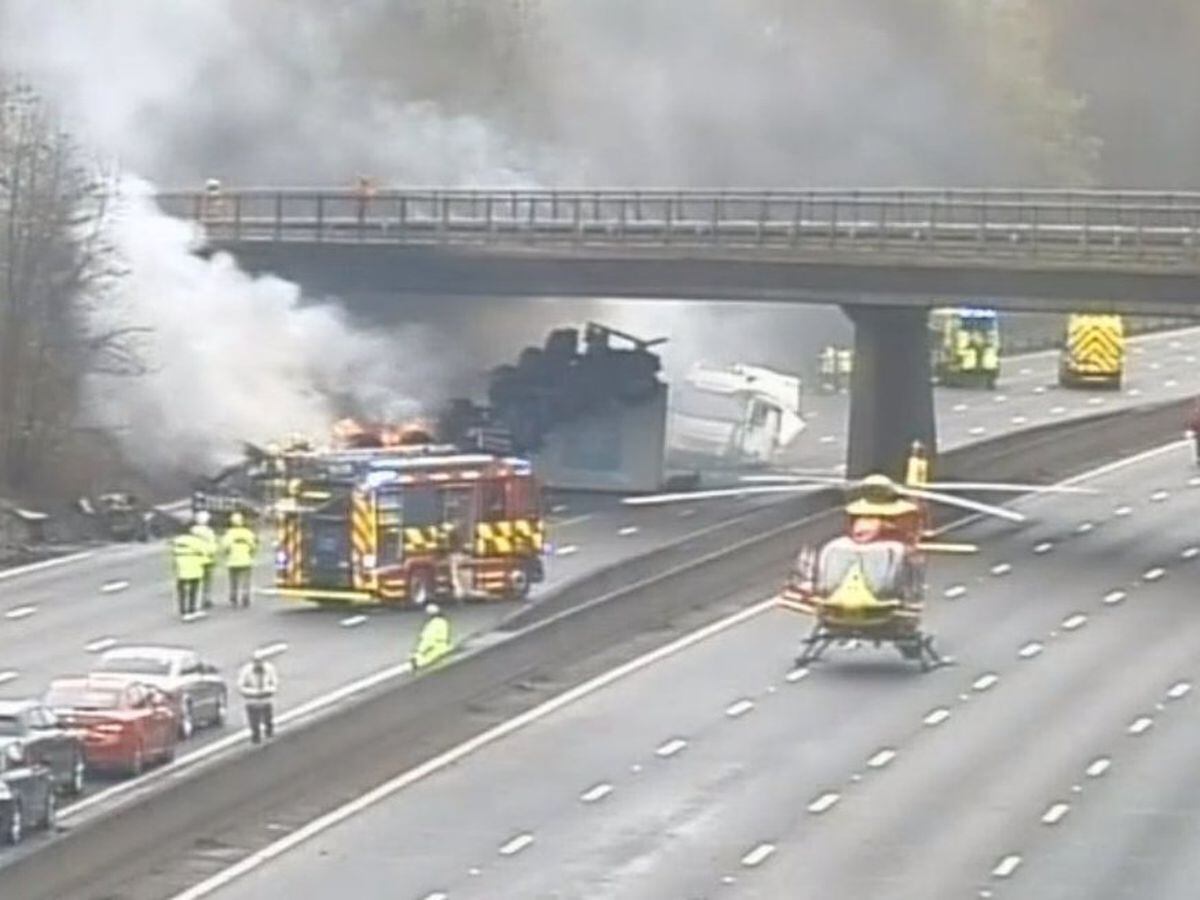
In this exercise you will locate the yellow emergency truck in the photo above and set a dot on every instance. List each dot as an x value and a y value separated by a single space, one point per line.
1094 352
965 344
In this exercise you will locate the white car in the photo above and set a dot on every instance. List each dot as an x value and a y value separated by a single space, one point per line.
196 687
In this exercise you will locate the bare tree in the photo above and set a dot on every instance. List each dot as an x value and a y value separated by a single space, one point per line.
54 260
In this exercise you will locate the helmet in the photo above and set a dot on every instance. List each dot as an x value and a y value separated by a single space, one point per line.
237 520
212 185
918 447
202 517
432 609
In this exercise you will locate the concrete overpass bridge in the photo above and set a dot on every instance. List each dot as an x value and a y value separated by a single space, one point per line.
883 255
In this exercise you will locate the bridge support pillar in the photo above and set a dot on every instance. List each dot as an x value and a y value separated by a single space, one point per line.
891 401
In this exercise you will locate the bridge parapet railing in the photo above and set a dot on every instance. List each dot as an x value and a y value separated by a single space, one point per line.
1125 225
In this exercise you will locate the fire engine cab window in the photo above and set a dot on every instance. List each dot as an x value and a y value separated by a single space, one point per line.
493 502
422 506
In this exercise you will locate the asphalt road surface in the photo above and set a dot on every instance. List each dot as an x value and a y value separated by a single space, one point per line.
54 620
1054 759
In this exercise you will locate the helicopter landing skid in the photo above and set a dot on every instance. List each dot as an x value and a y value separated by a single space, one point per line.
915 645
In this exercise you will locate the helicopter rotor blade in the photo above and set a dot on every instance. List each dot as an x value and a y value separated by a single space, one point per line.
813 480
986 509
1006 487
716 493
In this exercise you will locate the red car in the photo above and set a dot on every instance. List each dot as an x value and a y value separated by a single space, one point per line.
125 725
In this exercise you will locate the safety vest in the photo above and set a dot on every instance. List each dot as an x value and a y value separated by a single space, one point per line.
433 643
208 542
188 555
240 545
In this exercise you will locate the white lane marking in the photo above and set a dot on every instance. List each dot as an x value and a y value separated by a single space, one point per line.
271 650
796 675
937 716
740 708
111 587
1175 345
1019 420
195 616
1194 481
20 612
1178 690
1160 496
1073 622
960 407
515 845
882 758
1040 389
824 803
353 621
1030 650
1085 527
686 513
1095 401
1001 568
1154 574
1000 398
828 439
627 530
1190 553
574 520
598 792
955 591
758 855
437 895
1055 813
1140 725
443 760
1007 866
1044 547
1156 365
1134 392
45 564
1025 372
985 681
1170 383
1114 597
99 645
566 550
1058 410
670 748
976 430
9 675
1098 767
559 508
1123 511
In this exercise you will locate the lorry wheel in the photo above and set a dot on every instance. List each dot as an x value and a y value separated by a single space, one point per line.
519 583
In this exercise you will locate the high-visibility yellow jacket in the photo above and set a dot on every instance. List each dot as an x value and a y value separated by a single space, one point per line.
208 542
433 642
240 545
188 555
917 472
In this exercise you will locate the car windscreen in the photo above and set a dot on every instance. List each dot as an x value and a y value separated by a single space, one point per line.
73 697
10 726
135 665
698 404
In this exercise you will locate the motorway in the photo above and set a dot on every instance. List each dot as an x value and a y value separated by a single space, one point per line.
1055 759
54 619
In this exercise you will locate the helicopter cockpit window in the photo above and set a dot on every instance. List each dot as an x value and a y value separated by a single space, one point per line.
882 564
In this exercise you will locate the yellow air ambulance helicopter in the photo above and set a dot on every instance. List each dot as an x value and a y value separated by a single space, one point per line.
868 584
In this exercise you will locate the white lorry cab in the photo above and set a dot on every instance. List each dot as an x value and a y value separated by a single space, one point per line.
733 415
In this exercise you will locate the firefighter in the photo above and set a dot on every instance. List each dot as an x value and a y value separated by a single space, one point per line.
258 683
457 560
187 559
434 640
845 368
828 368
916 472
240 546
204 533
212 205
364 191
1194 428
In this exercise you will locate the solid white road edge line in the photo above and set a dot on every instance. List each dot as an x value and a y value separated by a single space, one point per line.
46 564
468 747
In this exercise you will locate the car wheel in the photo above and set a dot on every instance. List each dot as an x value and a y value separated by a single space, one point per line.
137 762
16 824
187 720
50 816
168 754
78 772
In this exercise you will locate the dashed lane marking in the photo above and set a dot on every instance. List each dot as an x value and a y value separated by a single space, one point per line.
686 513
1178 691
1170 383
1044 547
1001 568
627 530
1030 650
960 407
1123 511
100 644
1194 481
955 591
20 612
1098 767
758 855
1000 398
796 675
937 717
1190 553
1019 420
111 587
985 681
271 650
828 439
437 895
1154 574
195 616
566 550
9 675
1140 725
1006 866
882 758
1070 623
353 621
739 709
824 803
1055 813
977 430
1095 401
670 748
1114 597
1160 496
597 792
1040 389
1058 410
1085 527
559 508
515 845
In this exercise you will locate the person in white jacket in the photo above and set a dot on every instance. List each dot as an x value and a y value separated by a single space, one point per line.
258 682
